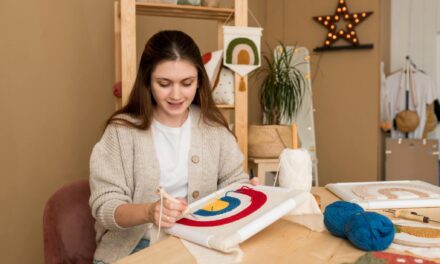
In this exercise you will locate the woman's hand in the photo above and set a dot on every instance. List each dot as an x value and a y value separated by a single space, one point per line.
255 181
170 213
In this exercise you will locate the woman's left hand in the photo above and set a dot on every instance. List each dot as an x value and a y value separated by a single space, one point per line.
255 181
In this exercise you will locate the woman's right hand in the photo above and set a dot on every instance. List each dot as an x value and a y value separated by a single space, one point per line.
170 213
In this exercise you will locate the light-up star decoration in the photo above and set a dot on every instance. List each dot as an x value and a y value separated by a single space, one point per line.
348 33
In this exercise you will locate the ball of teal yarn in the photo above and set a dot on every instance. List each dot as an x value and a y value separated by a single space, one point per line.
369 231
337 214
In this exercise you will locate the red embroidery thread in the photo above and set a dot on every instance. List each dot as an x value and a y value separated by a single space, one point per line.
258 199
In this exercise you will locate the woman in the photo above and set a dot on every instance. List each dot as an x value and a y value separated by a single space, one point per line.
170 134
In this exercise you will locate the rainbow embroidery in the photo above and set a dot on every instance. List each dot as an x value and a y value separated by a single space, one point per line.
219 206
233 214
242 51
225 205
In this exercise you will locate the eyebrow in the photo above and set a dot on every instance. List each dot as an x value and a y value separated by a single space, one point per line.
166 79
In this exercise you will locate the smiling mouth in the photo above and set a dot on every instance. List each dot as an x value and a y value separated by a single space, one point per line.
175 103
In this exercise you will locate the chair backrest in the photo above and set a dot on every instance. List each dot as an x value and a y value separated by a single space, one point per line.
68 225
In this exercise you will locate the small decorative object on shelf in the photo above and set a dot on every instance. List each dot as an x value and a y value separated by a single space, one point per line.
348 34
189 2
211 3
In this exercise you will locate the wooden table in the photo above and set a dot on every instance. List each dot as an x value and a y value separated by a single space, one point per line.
281 242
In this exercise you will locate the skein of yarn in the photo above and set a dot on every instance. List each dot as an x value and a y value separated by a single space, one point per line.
337 214
295 169
368 231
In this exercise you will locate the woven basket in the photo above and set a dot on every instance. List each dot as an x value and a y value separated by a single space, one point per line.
268 141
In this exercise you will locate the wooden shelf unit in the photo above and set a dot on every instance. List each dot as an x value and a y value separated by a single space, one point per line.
184 11
125 12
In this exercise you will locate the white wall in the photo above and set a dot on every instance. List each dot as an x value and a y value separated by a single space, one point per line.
415 29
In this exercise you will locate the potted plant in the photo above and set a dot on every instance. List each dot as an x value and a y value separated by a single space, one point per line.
281 95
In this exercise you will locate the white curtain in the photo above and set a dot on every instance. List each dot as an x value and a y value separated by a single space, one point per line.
415 31
414 28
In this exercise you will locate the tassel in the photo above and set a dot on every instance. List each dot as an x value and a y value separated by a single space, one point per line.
242 85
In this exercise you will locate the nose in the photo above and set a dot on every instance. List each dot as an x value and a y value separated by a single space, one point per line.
175 92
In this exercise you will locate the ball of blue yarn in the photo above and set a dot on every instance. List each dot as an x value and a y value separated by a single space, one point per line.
337 214
369 231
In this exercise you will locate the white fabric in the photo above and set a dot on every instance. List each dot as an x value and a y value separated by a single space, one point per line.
433 252
296 174
397 83
385 116
172 147
205 255
307 214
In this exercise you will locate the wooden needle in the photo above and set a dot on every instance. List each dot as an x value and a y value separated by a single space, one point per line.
405 214
161 191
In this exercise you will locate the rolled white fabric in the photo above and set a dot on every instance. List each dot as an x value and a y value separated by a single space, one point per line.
295 169
204 255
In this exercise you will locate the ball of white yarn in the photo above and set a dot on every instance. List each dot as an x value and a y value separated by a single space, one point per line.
295 169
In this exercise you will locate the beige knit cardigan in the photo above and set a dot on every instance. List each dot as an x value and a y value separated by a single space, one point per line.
124 169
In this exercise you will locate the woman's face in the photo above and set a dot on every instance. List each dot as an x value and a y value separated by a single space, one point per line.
173 85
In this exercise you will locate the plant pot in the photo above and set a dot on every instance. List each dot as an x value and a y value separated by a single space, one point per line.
189 2
211 3
267 141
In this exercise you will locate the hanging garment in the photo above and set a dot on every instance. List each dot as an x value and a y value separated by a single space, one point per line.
421 94
431 120
385 116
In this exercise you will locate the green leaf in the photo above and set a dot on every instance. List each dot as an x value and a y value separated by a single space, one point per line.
283 86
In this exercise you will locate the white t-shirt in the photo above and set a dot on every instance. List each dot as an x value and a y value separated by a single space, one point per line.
172 147
424 94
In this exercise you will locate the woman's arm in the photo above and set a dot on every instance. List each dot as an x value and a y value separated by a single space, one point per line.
108 184
111 198
129 215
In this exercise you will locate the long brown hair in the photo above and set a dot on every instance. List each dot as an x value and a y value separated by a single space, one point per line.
167 45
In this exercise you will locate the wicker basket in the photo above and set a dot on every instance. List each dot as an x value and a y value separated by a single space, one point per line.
267 141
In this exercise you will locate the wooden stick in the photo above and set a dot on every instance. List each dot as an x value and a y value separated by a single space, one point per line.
294 136
161 191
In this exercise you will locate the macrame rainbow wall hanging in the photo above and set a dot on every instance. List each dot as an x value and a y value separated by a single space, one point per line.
242 50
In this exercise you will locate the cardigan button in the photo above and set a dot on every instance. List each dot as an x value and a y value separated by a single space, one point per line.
195 194
195 159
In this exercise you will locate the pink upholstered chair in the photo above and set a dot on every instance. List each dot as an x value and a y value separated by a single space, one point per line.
68 225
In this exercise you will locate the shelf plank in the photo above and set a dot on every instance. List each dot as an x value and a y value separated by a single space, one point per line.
225 106
184 11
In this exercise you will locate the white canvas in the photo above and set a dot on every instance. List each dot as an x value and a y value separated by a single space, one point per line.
225 237
388 194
